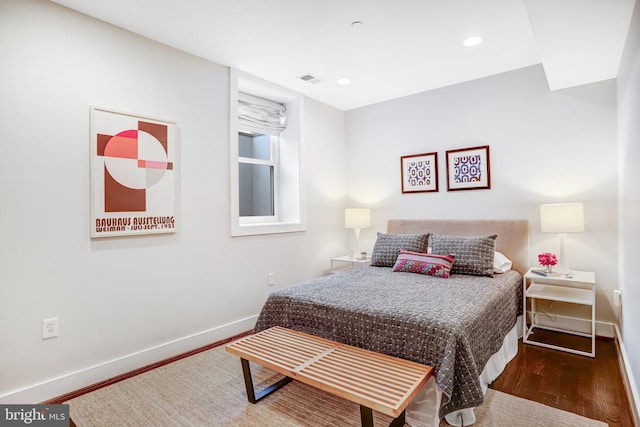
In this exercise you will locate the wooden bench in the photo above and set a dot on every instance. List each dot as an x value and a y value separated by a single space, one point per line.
374 381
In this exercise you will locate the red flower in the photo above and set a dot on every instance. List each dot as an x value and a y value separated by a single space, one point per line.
547 258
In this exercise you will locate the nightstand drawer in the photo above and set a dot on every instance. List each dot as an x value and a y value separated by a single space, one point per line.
560 293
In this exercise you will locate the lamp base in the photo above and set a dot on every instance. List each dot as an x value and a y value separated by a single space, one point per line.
356 250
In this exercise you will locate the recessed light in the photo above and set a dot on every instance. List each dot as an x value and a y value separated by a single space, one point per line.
472 41
343 81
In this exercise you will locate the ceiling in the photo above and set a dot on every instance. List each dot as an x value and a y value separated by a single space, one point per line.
400 48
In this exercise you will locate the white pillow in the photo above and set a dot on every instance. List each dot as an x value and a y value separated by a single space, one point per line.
501 264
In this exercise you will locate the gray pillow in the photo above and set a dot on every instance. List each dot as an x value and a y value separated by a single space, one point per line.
385 251
474 254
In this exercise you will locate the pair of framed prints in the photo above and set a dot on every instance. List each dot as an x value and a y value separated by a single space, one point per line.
467 169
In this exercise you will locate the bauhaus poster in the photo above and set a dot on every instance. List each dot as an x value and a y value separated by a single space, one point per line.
133 174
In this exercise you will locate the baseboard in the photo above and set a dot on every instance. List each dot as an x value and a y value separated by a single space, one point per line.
603 329
627 378
82 378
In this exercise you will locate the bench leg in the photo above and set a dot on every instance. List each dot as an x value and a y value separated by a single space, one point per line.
366 418
252 396
398 422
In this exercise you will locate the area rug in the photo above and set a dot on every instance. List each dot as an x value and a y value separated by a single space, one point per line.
207 389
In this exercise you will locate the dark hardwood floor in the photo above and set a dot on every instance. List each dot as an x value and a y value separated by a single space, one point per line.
583 385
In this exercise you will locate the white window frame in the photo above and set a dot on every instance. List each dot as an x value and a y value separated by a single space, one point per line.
289 204
274 142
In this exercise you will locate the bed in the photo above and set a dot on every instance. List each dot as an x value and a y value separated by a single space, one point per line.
465 325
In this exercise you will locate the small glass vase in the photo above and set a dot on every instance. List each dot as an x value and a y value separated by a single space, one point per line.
548 268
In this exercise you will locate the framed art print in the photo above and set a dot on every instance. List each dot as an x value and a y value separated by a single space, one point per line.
133 174
468 168
419 173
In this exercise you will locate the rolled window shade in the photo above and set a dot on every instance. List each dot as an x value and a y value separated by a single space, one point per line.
261 114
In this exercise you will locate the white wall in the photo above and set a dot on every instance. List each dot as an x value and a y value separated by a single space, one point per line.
126 302
545 147
629 198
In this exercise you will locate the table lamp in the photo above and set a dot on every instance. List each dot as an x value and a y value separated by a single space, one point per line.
357 218
562 218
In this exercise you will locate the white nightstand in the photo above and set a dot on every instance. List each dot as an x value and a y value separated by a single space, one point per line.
580 288
346 262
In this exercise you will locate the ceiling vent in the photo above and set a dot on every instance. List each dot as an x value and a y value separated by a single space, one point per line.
310 78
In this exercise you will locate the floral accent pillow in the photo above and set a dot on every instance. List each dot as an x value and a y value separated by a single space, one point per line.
433 265
387 247
474 254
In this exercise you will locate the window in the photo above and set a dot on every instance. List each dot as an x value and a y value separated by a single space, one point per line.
257 170
265 158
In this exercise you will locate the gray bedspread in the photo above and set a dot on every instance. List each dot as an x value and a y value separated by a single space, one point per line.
453 324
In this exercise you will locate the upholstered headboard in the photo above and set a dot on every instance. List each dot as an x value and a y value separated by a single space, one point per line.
512 241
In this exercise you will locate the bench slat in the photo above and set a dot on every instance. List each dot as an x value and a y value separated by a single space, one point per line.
319 369
389 366
386 370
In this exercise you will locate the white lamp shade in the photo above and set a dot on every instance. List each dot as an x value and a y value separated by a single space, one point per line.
357 218
562 218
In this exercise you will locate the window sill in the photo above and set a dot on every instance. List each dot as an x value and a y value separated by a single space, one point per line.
266 228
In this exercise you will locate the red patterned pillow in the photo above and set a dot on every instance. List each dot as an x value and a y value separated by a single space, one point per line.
431 264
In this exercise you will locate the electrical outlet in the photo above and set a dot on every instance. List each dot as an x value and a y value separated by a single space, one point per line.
50 328
617 295
271 279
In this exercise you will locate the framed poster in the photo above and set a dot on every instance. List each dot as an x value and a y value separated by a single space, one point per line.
133 174
419 173
468 168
